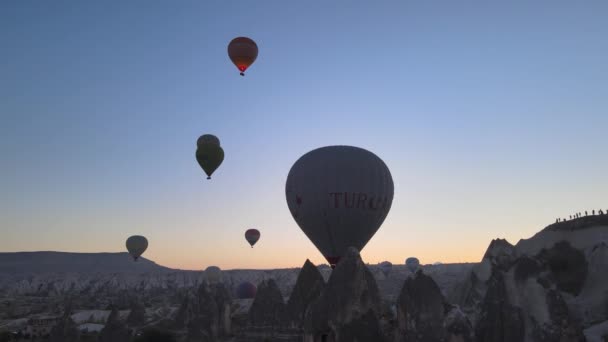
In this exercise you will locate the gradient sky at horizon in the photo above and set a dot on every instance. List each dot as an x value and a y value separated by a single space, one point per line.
491 116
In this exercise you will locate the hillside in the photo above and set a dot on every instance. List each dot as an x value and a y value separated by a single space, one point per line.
62 262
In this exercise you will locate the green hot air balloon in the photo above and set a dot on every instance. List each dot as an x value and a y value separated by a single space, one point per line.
209 156
137 245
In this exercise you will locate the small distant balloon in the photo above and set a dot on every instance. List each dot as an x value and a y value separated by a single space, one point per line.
243 52
252 236
207 139
213 274
412 264
246 290
209 154
386 267
136 245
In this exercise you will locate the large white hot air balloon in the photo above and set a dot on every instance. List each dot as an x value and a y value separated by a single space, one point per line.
136 245
339 196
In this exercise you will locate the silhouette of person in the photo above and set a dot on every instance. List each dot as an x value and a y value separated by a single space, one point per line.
593 212
571 217
585 212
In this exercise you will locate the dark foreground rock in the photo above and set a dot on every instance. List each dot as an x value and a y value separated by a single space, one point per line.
349 307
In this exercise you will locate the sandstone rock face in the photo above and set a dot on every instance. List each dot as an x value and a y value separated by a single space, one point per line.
567 265
268 308
525 300
349 301
308 288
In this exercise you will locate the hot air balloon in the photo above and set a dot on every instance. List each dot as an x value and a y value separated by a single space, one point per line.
213 274
209 156
412 264
242 52
137 245
386 267
246 290
207 139
339 196
252 236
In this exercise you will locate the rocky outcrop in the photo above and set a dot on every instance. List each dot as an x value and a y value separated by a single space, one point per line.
470 294
268 308
525 302
349 301
223 300
205 314
420 310
500 253
308 288
500 321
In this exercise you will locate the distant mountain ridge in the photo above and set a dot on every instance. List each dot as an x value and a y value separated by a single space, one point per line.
66 262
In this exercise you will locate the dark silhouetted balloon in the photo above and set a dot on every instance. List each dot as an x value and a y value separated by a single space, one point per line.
136 245
339 196
412 264
210 157
242 52
213 274
252 236
246 290
207 139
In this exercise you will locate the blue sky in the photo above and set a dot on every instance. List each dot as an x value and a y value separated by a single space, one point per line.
491 117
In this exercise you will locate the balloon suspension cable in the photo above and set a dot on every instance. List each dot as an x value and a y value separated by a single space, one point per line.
242 74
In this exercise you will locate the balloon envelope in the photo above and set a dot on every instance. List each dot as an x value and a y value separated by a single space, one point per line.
339 196
412 264
213 274
386 267
207 139
246 290
252 236
209 157
243 52
136 245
